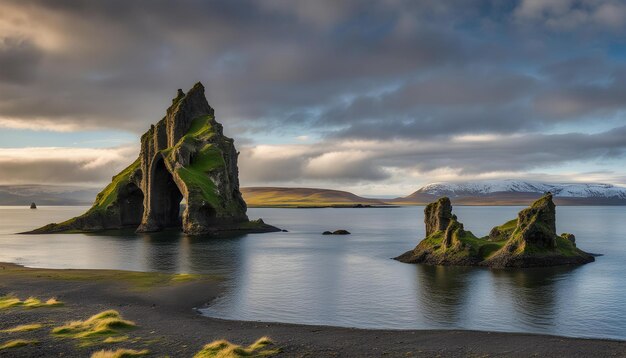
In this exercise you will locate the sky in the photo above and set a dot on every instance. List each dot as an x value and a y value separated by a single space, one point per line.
374 97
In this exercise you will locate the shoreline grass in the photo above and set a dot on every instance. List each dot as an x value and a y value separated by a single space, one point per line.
12 301
16 343
120 353
23 328
103 324
225 349
139 281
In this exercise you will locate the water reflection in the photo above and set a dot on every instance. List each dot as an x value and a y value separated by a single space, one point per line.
532 294
304 277
443 293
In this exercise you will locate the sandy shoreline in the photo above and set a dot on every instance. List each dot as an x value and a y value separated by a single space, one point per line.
168 325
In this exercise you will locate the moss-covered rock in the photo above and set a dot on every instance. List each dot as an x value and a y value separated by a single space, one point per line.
528 241
184 156
437 215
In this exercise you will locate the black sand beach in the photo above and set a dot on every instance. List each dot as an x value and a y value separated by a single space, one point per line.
169 326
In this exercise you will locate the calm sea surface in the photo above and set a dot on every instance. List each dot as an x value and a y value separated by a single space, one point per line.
303 277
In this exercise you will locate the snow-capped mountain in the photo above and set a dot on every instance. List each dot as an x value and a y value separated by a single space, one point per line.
569 190
513 192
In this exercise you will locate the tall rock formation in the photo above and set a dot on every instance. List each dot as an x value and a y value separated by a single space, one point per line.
437 215
184 156
528 241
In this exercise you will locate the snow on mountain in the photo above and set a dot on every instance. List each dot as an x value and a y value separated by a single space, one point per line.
565 190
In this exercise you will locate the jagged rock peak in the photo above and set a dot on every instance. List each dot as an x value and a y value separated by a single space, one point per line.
437 216
179 95
537 223
183 111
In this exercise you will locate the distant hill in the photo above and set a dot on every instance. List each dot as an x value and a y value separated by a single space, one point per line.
488 192
302 197
516 192
23 195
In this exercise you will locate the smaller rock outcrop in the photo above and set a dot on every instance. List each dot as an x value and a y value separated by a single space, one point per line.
528 241
569 237
336 232
33 206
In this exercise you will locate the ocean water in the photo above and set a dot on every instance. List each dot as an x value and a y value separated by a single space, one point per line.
301 276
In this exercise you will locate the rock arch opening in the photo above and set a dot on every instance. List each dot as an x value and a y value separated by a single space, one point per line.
131 210
165 197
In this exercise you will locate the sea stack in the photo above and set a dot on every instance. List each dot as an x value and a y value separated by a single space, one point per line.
183 156
528 241
33 205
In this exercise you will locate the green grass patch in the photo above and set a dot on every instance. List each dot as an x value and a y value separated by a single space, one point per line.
485 251
472 246
10 301
120 353
196 176
565 247
509 225
139 281
201 127
263 347
107 323
16 343
23 328
109 194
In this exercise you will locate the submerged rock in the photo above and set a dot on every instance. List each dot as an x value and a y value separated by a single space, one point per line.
528 241
337 232
183 156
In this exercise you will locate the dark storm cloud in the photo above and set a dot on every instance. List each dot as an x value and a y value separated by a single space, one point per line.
447 104
521 153
584 99
418 72
18 60
370 161
120 60
116 63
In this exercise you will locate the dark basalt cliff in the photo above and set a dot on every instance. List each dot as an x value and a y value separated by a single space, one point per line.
184 156
528 241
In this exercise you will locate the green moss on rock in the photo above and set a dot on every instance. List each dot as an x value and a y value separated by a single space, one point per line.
183 156
110 193
529 240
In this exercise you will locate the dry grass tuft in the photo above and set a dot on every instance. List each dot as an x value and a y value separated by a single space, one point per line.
116 339
107 323
120 353
225 349
23 328
16 343
10 301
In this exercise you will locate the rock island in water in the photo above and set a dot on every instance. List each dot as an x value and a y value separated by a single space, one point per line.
528 241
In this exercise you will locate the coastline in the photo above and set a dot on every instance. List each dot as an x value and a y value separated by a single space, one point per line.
168 324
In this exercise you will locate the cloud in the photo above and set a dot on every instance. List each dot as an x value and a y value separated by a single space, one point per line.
410 162
383 90
572 14
342 165
64 166
18 60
